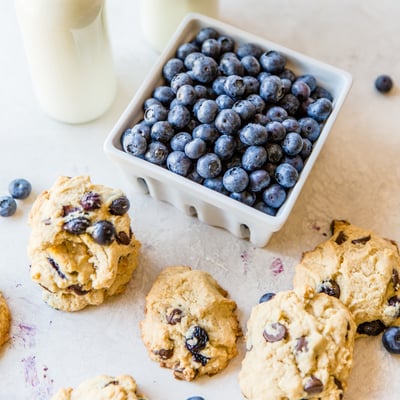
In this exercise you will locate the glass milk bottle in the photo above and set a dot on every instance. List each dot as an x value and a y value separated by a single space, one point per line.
69 56
160 18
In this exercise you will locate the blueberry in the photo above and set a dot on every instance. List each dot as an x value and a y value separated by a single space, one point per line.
251 65
254 158
257 101
320 109
254 134
90 201
179 80
287 85
290 103
291 125
301 90
155 112
391 339
218 85
20 188
273 62
77 225
179 163
309 79
286 175
178 141
103 232
227 43
245 109
231 65
288 74
204 69
215 184
142 129
321 92
261 206
249 49
292 143
234 86
224 147
261 119
383 83
245 197
164 94
161 131
211 47
179 116
206 33
274 152
207 111
186 95
277 113
119 206
191 58
156 153
310 128
224 101
201 91
195 148
259 180
8 206
306 149
235 179
276 131
271 89
296 161
209 166
274 195
207 132
172 67
150 102
266 297
185 49
228 122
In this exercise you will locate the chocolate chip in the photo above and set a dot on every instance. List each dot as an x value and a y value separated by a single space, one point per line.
175 316
56 267
371 328
77 289
330 287
164 354
341 238
301 344
361 240
313 385
274 332
123 238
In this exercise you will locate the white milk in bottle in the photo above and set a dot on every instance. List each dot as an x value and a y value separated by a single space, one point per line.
160 18
69 56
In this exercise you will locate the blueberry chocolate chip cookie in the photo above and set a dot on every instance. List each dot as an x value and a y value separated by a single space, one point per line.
82 248
361 269
190 324
121 387
5 318
298 348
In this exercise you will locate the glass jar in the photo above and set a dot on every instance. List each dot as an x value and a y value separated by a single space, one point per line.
69 55
160 18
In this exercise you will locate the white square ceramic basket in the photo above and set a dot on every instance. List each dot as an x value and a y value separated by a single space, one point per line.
192 198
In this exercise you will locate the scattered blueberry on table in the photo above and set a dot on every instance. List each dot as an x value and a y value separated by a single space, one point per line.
8 206
383 83
232 117
19 189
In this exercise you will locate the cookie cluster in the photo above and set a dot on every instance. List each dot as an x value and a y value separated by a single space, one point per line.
82 247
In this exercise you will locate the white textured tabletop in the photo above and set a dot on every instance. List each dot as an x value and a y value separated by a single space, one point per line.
356 178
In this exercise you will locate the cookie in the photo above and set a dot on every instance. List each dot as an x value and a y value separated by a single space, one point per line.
190 324
5 318
298 349
102 387
82 248
361 269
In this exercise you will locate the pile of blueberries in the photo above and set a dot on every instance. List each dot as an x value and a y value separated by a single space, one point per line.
232 117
